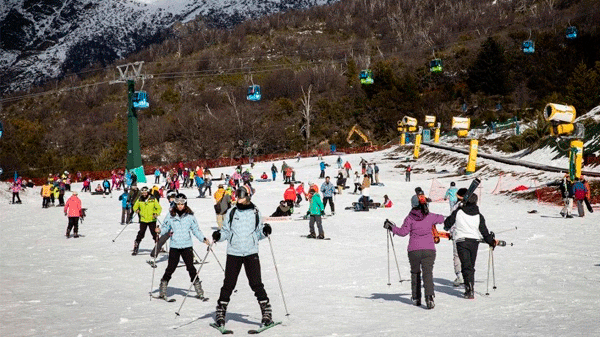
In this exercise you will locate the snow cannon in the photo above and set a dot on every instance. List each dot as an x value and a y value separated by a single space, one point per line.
410 123
561 117
430 121
461 125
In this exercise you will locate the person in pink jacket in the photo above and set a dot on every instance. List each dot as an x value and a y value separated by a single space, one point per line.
421 247
73 211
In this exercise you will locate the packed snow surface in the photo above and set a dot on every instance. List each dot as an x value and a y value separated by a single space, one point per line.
546 281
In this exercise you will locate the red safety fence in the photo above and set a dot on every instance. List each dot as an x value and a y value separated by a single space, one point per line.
551 195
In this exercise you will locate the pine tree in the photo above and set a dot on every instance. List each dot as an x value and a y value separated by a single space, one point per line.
583 88
489 72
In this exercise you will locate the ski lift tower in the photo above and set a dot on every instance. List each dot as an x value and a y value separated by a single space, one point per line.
129 73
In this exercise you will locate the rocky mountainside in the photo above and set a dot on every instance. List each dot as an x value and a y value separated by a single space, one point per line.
46 39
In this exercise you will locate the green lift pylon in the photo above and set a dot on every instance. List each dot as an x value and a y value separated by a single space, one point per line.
134 154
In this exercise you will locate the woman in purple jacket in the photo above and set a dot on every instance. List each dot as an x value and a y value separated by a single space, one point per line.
421 248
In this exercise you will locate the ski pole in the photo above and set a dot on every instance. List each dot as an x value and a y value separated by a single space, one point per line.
192 284
153 268
278 279
487 291
395 257
120 232
507 230
215 255
388 256
493 271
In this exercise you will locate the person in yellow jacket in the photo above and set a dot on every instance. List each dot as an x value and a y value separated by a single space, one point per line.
45 193
148 210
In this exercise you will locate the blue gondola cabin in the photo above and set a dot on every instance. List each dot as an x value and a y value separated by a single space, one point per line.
140 100
572 33
528 47
366 77
254 93
435 66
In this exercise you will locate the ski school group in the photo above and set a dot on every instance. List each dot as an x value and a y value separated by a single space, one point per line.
240 224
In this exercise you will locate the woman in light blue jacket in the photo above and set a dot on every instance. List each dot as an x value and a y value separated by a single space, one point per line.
181 222
243 229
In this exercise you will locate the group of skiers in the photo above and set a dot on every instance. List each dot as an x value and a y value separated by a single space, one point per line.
578 191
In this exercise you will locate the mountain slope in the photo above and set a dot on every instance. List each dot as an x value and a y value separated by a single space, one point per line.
41 40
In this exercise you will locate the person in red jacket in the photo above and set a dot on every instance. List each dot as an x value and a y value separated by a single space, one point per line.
299 193
73 211
290 195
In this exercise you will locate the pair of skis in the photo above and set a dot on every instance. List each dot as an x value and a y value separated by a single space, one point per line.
225 331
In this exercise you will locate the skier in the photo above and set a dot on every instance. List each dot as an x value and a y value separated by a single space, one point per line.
274 171
299 194
242 230
45 193
579 192
222 204
370 172
408 170
451 195
282 210
124 205
73 211
387 203
148 209
356 182
289 195
452 230
347 167
376 170
339 162
15 192
421 248
315 210
322 166
132 197
566 190
181 222
588 194
340 183
328 189
470 228
157 176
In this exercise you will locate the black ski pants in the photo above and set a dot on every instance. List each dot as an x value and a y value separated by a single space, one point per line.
151 227
233 266
187 254
330 200
467 253
422 260
73 224
16 194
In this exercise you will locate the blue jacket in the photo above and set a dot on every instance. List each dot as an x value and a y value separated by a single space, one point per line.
123 198
322 165
242 233
157 173
199 181
451 194
327 190
181 227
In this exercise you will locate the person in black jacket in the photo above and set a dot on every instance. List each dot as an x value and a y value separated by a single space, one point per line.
469 228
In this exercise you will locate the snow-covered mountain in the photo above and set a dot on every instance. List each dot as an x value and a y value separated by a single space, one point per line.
44 39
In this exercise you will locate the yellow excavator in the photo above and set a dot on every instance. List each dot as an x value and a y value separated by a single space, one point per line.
356 130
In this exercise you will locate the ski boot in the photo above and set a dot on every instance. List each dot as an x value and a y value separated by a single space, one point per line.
198 288
267 313
136 247
311 235
416 289
321 236
469 292
429 301
163 289
68 234
221 312
458 281
75 235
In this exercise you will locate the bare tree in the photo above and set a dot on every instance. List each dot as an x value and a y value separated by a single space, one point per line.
306 111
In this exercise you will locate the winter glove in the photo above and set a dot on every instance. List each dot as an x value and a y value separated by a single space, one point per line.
388 225
267 230
216 235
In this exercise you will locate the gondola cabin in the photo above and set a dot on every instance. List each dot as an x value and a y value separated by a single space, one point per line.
254 93
571 33
435 66
366 77
528 47
140 100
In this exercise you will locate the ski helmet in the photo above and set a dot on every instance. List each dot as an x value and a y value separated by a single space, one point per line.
181 199
243 192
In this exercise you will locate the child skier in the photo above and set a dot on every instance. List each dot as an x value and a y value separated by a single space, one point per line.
421 247
73 211
242 230
148 209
